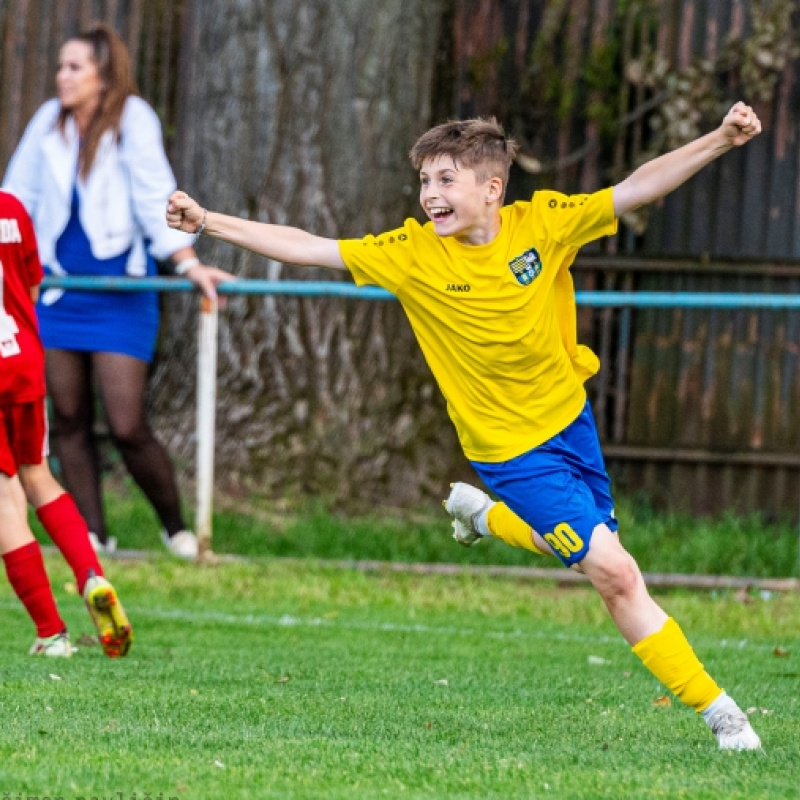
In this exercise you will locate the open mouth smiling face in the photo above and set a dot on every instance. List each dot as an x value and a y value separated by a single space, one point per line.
445 192
440 213
457 202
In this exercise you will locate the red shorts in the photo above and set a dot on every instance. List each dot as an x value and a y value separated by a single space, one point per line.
23 435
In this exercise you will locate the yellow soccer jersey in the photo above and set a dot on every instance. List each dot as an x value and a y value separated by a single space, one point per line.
496 322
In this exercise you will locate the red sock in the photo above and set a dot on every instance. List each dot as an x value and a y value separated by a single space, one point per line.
28 578
70 534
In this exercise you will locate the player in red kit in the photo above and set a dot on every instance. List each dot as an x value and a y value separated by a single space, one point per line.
24 472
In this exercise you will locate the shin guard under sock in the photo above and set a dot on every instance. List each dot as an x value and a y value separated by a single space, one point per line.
70 534
28 577
507 526
669 656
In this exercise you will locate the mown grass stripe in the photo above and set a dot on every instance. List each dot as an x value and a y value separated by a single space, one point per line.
561 576
288 621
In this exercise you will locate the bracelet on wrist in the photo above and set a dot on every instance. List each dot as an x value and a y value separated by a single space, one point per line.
202 226
182 267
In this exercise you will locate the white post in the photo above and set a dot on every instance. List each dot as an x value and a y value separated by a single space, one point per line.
206 412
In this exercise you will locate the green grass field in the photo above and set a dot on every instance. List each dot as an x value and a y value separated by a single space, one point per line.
289 680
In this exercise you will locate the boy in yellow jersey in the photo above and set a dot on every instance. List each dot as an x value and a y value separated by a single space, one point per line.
489 296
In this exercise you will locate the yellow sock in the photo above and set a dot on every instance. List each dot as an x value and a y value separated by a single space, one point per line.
506 525
669 656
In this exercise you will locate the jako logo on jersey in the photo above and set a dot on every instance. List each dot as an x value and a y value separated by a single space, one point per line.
527 266
458 287
9 232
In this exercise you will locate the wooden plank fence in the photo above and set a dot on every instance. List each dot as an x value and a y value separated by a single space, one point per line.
697 407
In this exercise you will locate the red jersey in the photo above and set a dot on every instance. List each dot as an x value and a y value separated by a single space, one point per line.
21 350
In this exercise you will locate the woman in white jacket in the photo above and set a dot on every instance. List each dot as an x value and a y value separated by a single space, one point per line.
92 172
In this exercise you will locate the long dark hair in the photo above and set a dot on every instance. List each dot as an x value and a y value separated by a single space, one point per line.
116 72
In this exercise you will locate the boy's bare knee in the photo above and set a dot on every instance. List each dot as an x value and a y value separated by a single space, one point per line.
39 484
622 579
27 477
611 569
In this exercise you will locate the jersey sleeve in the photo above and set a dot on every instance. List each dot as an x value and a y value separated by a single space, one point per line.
29 266
576 220
33 266
383 260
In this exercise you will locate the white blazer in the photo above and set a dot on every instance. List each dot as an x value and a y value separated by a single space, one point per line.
123 200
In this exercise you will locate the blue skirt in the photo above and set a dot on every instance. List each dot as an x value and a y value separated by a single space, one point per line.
98 322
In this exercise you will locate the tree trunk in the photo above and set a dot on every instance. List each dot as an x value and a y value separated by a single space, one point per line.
303 114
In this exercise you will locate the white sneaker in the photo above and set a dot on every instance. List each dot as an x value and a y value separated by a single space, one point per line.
467 504
105 548
730 725
183 544
56 646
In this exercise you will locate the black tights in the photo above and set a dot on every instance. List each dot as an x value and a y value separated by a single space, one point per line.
121 381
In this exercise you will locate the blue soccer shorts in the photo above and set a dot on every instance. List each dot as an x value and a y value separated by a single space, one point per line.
560 488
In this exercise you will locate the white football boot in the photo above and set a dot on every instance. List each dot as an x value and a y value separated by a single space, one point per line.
730 725
468 506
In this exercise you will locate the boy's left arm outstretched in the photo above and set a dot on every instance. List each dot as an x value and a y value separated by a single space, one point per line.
660 176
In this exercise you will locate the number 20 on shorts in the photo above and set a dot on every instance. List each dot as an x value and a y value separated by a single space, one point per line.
564 540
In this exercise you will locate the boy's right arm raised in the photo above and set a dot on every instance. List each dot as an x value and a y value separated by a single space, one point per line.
279 242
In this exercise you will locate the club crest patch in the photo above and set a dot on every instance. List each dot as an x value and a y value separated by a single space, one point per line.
526 267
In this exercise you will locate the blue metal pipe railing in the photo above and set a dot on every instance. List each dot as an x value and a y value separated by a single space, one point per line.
604 299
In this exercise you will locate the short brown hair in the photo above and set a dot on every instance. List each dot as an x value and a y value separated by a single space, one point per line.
479 144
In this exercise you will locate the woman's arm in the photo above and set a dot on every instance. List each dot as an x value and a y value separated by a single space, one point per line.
187 264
